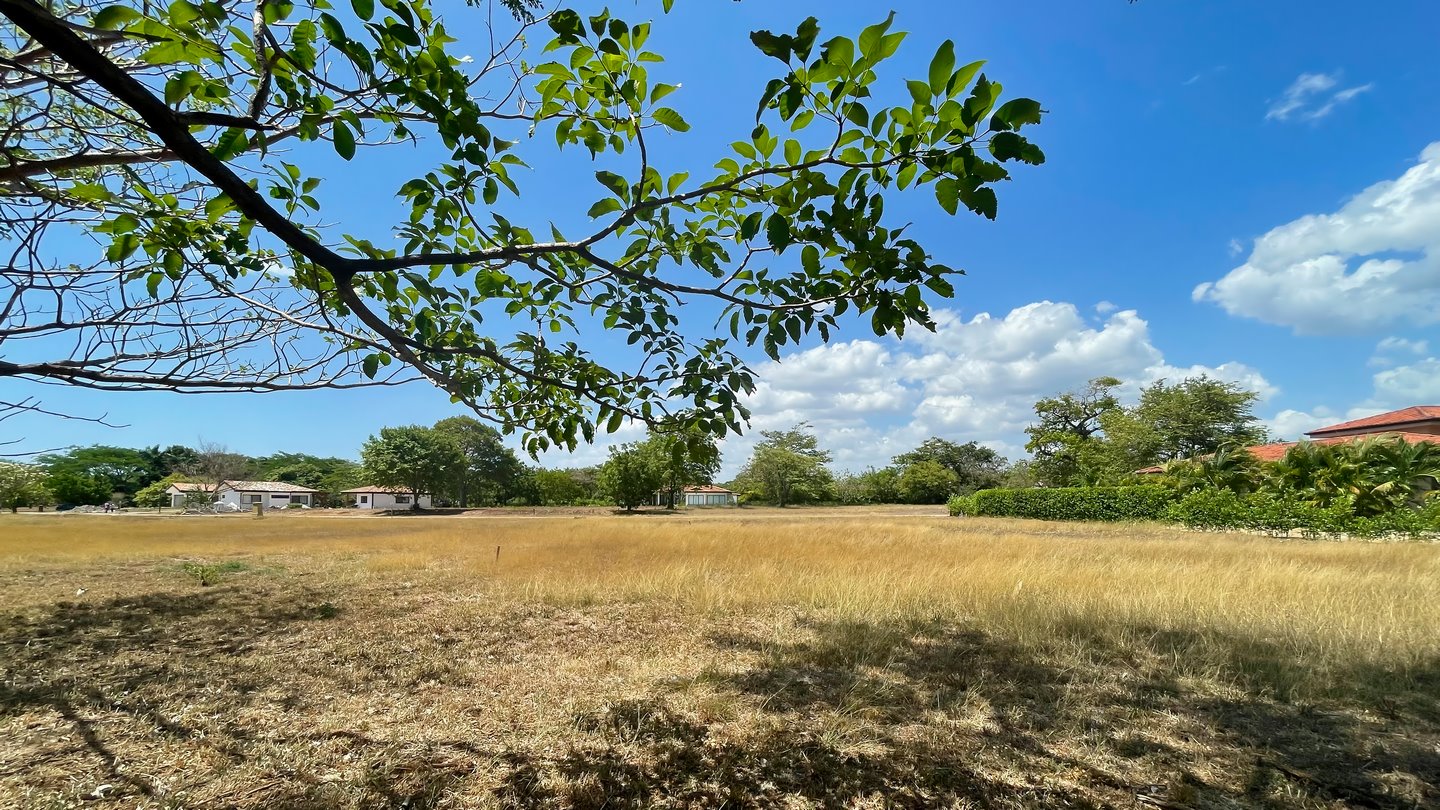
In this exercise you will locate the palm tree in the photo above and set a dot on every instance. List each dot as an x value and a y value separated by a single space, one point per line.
1410 471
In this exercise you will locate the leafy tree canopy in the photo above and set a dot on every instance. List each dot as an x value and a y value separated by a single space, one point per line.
22 485
491 472
416 458
974 465
787 467
164 169
631 476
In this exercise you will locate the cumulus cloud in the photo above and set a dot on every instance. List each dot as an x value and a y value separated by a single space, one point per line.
1413 384
1370 265
972 379
1309 97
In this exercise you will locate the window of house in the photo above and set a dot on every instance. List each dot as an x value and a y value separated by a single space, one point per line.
249 498
402 499
364 499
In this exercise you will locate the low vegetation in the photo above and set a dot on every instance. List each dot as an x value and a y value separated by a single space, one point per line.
748 658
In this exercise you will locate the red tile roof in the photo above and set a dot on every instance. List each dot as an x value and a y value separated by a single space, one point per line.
188 486
1404 416
1277 451
266 486
709 488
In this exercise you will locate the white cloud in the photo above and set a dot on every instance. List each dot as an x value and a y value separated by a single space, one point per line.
1414 384
1371 264
1291 425
975 379
1399 345
1309 97
1236 247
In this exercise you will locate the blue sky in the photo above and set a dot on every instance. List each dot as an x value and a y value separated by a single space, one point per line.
1238 188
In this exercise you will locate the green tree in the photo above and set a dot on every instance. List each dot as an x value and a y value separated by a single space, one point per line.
684 458
419 459
631 476
116 469
213 115
558 488
71 487
1194 417
23 485
975 466
1065 437
787 467
172 460
154 495
491 472
1232 468
928 481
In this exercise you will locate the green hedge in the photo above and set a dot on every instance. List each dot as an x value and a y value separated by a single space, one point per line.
1281 513
1073 503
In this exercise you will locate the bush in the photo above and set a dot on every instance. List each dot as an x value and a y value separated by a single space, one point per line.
1280 513
1208 509
1146 502
961 505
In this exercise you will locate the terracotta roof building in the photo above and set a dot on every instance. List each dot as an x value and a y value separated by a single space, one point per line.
1418 423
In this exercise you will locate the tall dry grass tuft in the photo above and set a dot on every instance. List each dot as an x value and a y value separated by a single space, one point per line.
1290 617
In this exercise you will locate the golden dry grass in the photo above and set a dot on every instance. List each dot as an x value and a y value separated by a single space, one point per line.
820 658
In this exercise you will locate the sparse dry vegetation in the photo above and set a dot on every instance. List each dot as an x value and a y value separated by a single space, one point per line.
746 659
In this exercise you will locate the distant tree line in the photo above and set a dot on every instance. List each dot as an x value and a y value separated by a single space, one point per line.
1078 438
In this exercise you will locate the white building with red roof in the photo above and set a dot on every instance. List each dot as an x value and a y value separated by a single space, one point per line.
376 497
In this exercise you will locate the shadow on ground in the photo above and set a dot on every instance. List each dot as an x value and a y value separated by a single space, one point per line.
845 714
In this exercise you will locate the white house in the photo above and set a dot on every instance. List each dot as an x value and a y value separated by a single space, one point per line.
182 490
373 497
706 495
245 494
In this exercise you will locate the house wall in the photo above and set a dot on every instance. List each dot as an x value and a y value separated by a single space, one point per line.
385 500
271 500
709 499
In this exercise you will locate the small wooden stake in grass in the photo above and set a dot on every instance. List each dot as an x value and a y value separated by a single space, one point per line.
497 556
259 511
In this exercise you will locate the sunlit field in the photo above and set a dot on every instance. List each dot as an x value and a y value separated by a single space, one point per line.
752 658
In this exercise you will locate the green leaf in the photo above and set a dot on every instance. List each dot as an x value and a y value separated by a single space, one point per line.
750 226
113 18
962 78
792 151
872 39
778 46
670 118
839 52
947 193
231 142
152 283
344 140
615 183
1016 113
982 201
662 90
364 9
941 67
920 91
605 206
1012 146
777 232
370 365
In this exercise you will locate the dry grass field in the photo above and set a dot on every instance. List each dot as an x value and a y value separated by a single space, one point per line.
738 659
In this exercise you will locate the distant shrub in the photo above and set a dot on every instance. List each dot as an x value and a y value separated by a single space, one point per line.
961 505
1280 513
1147 502
1208 509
